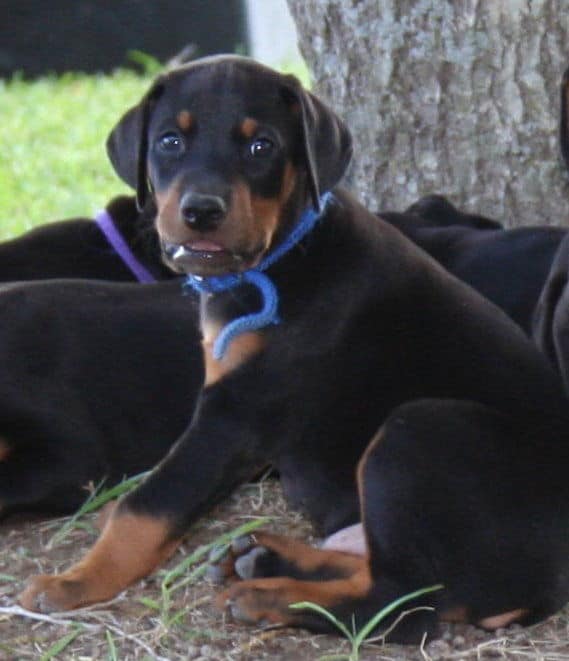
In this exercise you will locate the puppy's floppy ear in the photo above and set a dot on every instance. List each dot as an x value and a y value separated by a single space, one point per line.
127 144
327 141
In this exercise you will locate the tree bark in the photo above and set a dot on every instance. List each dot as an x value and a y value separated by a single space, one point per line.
459 98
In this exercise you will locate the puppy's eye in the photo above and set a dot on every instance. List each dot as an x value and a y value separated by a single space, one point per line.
170 143
261 147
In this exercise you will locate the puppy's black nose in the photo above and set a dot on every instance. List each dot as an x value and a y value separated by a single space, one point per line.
202 212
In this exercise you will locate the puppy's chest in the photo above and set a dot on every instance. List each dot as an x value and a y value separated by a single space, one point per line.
217 313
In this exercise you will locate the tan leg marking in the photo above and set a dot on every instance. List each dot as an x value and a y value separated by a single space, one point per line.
5 450
268 599
104 514
130 547
503 620
457 614
308 558
360 477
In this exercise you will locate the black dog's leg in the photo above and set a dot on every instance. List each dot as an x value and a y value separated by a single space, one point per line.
279 571
447 494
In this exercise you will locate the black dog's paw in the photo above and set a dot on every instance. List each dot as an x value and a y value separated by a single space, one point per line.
249 556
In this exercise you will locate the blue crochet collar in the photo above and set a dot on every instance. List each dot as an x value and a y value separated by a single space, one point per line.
268 314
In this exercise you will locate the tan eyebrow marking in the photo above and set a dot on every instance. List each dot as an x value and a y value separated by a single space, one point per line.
185 120
249 127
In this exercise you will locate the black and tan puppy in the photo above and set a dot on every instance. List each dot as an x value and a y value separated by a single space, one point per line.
381 388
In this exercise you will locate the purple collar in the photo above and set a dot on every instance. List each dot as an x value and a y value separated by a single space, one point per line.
120 246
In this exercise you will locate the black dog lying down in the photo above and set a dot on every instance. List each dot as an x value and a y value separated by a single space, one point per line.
81 248
507 266
76 401
388 391
102 386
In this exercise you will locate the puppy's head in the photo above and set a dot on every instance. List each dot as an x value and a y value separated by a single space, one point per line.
230 152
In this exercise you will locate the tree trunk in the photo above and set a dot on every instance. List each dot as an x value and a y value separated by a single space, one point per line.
459 98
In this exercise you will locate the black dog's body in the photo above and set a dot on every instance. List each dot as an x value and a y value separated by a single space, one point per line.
92 391
381 360
76 401
551 322
507 266
76 248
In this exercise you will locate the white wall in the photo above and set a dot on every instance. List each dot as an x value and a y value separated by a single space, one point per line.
272 33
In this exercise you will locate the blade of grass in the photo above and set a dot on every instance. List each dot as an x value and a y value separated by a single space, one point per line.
7 578
357 638
150 65
365 631
309 605
113 656
60 645
96 499
114 492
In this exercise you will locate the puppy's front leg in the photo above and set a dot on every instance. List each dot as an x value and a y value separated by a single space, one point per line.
131 546
216 453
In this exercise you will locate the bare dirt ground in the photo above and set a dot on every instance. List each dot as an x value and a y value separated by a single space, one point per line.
140 625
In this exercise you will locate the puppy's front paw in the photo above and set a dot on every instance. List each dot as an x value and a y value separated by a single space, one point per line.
259 602
47 594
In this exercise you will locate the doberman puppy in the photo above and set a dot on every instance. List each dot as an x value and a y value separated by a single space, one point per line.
507 266
436 211
381 388
78 248
83 374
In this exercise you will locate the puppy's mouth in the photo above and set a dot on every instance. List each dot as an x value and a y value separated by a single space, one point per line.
205 258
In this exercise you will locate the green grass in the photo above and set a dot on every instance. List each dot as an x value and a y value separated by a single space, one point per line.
357 638
52 146
94 501
53 163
